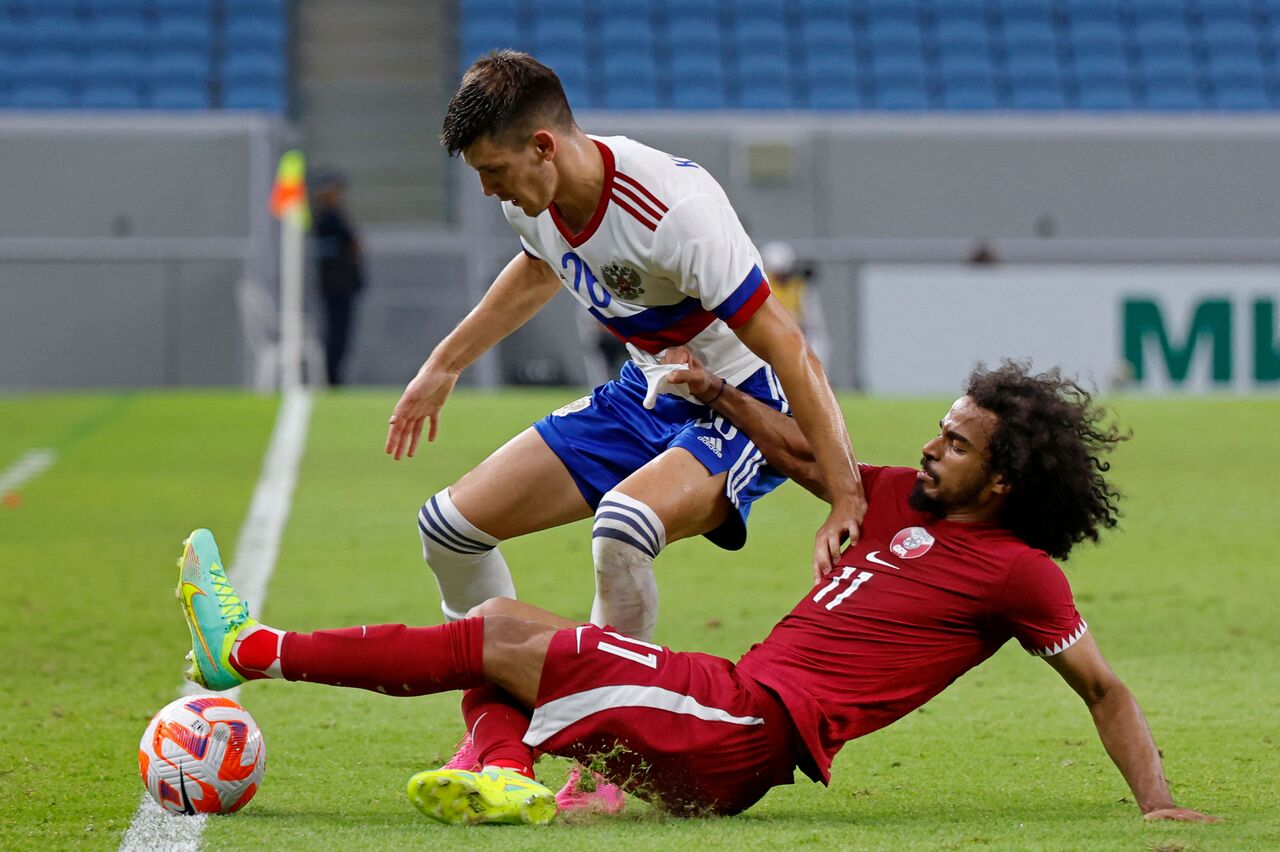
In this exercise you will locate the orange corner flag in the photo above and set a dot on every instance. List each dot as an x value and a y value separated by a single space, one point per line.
290 189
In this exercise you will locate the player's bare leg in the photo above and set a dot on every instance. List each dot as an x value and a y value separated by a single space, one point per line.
522 487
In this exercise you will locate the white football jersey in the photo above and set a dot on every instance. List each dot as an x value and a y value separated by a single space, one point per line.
664 260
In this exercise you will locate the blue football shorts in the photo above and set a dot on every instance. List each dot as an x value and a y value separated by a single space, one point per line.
607 436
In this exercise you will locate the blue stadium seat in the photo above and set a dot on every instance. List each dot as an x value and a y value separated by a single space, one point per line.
107 68
1160 10
53 69
974 11
966 71
1028 11
1077 12
1173 97
184 9
577 92
551 32
764 11
833 96
1225 37
902 97
1235 71
1211 11
966 33
1102 69
33 8
1105 96
970 97
816 11
539 9
254 97
838 68
40 96
277 9
190 33
178 68
571 66
827 37
683 14
892 10
481 8
1029 37
626 31
757 36
698 95
699 39
107 8
1034 71
481 35
1045 97
254 69
177 96
619 68
110 96
753 69
251 34
766 96
12 34
1157 37
1097 39
625 9
894 36
953 51
625 95
899 70
52 33
1170 71
117 32
1242 98
689 69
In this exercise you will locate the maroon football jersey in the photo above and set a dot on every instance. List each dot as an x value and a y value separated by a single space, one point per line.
914 605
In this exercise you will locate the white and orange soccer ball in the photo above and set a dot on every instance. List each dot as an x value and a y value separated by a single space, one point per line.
202 755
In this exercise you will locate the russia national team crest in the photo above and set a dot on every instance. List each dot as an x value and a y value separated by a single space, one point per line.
911 543
622 280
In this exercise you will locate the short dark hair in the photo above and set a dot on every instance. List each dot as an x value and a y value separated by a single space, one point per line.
1048 445
503 95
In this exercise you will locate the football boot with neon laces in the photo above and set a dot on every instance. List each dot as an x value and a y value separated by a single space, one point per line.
214 613
492 796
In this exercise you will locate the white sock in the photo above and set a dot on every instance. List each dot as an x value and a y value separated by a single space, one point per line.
625 538
468 567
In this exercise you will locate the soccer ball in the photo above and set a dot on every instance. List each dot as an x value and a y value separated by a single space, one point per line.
202 755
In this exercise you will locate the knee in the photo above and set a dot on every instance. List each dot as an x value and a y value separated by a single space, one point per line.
624 522
445 532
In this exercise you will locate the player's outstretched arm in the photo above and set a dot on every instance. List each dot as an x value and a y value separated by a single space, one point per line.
773 335
776 435
1122 729
519 292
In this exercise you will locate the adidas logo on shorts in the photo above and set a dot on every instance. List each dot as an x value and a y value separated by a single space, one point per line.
714 444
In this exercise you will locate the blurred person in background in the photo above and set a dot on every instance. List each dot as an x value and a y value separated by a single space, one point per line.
790 280
340 268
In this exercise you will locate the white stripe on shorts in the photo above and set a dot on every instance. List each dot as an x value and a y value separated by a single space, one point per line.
775 387
554 716
743 471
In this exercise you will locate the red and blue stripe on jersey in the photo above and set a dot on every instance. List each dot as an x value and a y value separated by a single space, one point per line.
657 328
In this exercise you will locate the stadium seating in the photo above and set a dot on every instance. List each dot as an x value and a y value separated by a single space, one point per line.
145 54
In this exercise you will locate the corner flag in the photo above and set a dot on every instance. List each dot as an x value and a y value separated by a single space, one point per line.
290 189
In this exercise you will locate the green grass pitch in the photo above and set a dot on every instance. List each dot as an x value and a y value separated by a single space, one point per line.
1181 599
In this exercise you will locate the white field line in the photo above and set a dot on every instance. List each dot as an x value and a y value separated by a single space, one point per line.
256 550
29 465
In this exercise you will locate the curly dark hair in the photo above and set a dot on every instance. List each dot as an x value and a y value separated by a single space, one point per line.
503 95
1048 445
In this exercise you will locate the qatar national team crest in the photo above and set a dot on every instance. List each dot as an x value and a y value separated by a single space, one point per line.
622 280
911 543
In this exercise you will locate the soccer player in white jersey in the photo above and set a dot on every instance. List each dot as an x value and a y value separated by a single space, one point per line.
649 244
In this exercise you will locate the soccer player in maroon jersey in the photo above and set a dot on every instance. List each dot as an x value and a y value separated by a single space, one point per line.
955 559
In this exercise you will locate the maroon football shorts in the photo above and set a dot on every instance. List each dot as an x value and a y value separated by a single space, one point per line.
681 730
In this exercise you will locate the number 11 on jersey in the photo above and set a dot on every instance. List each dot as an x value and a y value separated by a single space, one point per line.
857 581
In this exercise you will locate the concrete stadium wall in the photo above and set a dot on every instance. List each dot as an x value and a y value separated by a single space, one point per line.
124 244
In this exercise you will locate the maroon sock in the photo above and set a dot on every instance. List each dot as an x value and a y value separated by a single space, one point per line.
389 658
498 725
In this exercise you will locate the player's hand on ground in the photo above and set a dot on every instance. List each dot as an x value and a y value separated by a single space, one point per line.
843 526
419 404
1180 814
701 383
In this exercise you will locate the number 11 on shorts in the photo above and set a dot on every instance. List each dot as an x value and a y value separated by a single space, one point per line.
650 660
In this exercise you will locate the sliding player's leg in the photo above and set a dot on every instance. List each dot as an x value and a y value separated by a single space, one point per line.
522 487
